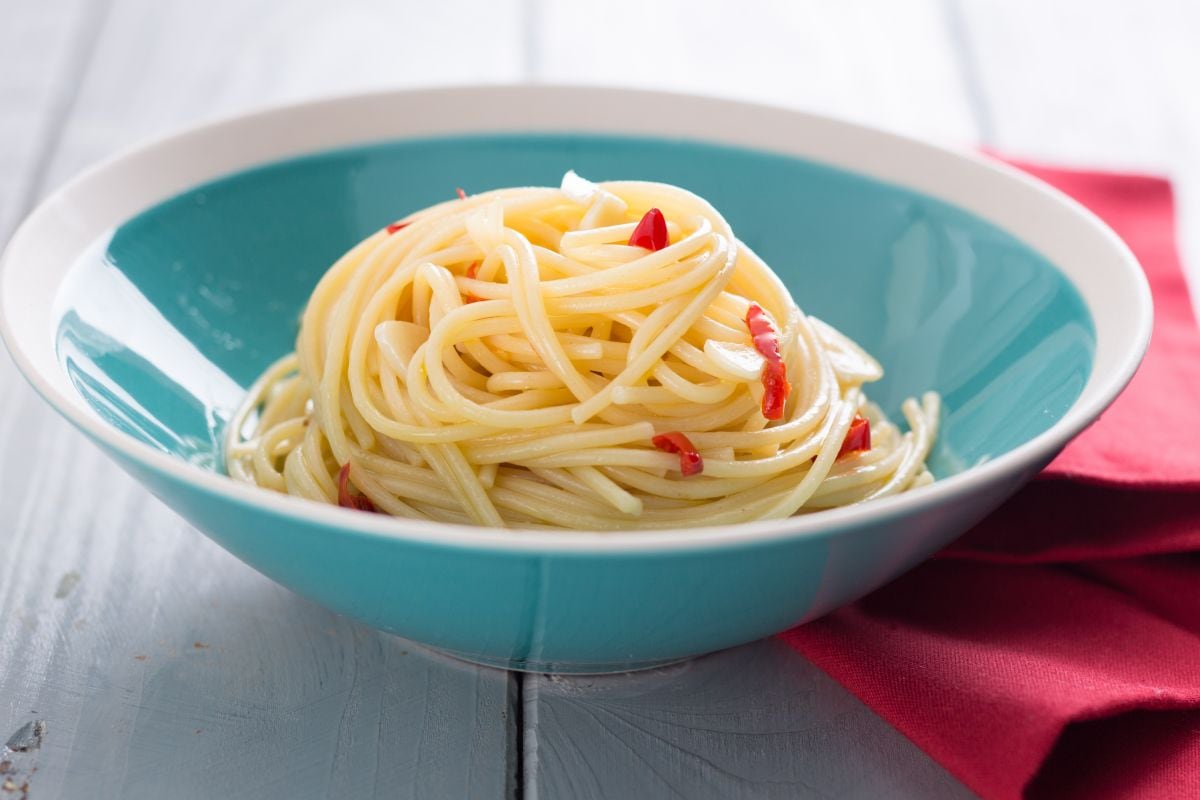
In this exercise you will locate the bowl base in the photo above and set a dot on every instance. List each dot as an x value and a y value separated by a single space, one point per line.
562 668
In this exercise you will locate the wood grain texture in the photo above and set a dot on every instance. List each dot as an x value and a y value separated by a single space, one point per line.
754 722
887 64
43 48
1089 84
153 663
161 65
171 670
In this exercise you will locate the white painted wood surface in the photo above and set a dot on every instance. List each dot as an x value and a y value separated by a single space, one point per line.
753 722
892 65
159 664
1092 84
162 666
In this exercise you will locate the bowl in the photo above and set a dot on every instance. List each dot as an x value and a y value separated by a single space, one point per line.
142 299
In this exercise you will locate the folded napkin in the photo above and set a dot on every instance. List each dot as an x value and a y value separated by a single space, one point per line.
1054 651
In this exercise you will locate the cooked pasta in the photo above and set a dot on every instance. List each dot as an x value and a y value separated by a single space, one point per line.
595 356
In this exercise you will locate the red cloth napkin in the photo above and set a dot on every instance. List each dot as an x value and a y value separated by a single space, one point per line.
1054 651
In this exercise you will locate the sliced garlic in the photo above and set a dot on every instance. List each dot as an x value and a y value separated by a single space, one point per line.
398 342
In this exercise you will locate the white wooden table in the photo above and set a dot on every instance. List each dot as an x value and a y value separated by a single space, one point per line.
138 660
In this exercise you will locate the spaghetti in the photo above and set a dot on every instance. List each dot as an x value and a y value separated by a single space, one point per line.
595 356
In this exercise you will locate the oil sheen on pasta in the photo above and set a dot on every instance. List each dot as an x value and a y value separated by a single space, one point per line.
526 358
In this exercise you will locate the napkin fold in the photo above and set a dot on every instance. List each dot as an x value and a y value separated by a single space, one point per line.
1054 650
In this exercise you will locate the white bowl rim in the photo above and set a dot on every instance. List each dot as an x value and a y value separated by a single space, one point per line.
564 108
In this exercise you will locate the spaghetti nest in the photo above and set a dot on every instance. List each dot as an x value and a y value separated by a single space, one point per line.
595 356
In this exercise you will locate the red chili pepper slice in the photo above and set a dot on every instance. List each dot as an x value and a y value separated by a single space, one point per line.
461 194
858 437
690 461
395 226
774 377
473 274
775 390
651 232
347 498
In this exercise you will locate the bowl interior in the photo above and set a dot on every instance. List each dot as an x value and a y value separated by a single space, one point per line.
163 322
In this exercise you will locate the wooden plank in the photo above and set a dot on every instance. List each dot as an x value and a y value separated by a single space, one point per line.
754 722
1115 93
1109 85
43 47
148 662
163 667
160 66
758 721
886 64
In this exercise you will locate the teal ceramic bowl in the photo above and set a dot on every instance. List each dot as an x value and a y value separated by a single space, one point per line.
144 297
